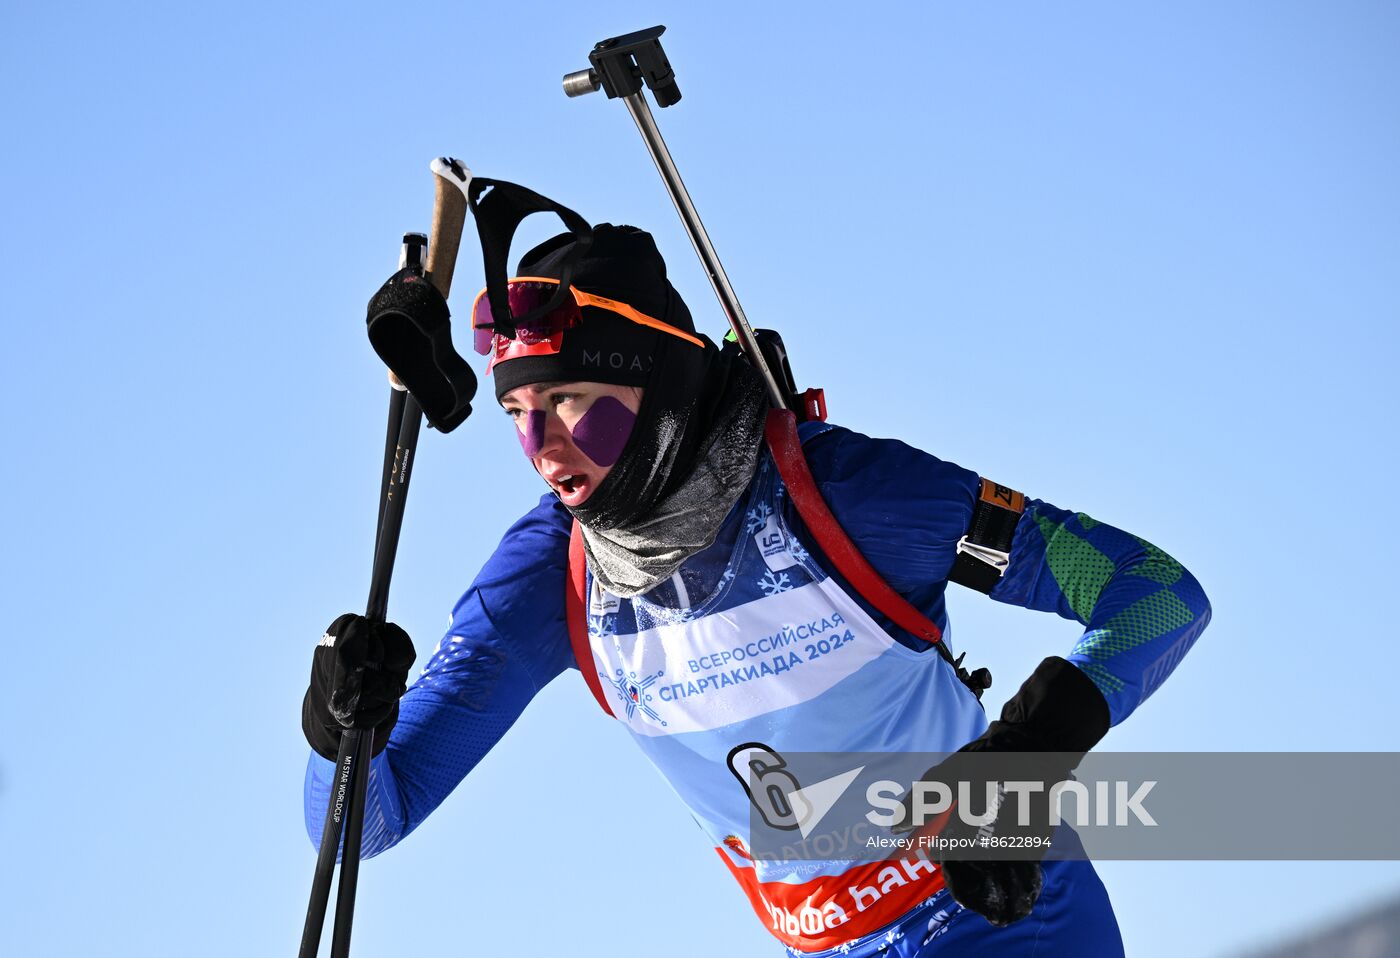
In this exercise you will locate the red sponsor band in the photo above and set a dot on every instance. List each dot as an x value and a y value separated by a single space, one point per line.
833 909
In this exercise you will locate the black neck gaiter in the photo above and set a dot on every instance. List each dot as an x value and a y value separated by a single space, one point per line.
685 397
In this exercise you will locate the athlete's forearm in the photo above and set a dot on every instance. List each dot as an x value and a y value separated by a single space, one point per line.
1142 610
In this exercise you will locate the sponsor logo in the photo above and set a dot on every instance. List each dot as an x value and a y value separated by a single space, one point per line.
1004 496
634 363
634 693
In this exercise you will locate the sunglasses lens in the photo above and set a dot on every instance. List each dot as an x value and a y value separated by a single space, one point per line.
541 336
481 341
524 297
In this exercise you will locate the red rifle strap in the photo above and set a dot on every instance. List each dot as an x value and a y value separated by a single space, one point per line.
781 432
576 612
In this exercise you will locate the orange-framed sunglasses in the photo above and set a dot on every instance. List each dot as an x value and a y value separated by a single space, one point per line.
545 336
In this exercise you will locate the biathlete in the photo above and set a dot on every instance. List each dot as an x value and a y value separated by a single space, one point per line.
651 440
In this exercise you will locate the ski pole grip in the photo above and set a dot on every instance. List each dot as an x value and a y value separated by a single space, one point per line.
449 218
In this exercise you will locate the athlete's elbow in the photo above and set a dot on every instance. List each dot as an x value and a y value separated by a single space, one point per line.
1193 594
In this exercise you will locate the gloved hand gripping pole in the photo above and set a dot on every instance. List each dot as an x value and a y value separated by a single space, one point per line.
620 66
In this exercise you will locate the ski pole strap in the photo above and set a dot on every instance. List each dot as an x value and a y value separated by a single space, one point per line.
499 207
781 433
985 552
576 612
409 327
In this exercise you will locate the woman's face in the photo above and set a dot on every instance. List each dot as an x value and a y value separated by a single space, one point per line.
573 432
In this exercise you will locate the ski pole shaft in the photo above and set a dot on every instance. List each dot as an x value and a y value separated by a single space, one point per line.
355 744
345 767
359 742
411 254
345 807
348 783
361 745
397 395
700 239
395 496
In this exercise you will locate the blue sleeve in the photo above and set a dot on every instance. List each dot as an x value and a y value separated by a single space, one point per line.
906 510
507 640
1141 609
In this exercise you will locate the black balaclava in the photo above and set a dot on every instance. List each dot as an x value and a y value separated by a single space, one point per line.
685 385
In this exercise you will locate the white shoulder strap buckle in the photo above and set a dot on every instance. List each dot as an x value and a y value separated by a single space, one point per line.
992 557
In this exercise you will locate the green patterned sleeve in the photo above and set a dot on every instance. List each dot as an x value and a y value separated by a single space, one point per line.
1142 610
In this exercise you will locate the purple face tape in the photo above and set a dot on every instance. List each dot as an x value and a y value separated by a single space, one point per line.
532 439
603 430
600 434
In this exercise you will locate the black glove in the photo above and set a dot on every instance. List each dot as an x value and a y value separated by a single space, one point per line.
1044 730
358 671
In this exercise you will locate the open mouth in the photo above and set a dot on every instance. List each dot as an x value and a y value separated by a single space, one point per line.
572 489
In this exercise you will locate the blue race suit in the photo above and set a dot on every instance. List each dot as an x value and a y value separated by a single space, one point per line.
712 658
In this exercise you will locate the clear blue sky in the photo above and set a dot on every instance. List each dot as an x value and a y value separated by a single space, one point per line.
1181 223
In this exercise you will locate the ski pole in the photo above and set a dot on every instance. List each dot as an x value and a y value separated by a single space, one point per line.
346 806
412 255
347 799
620 65
359 742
